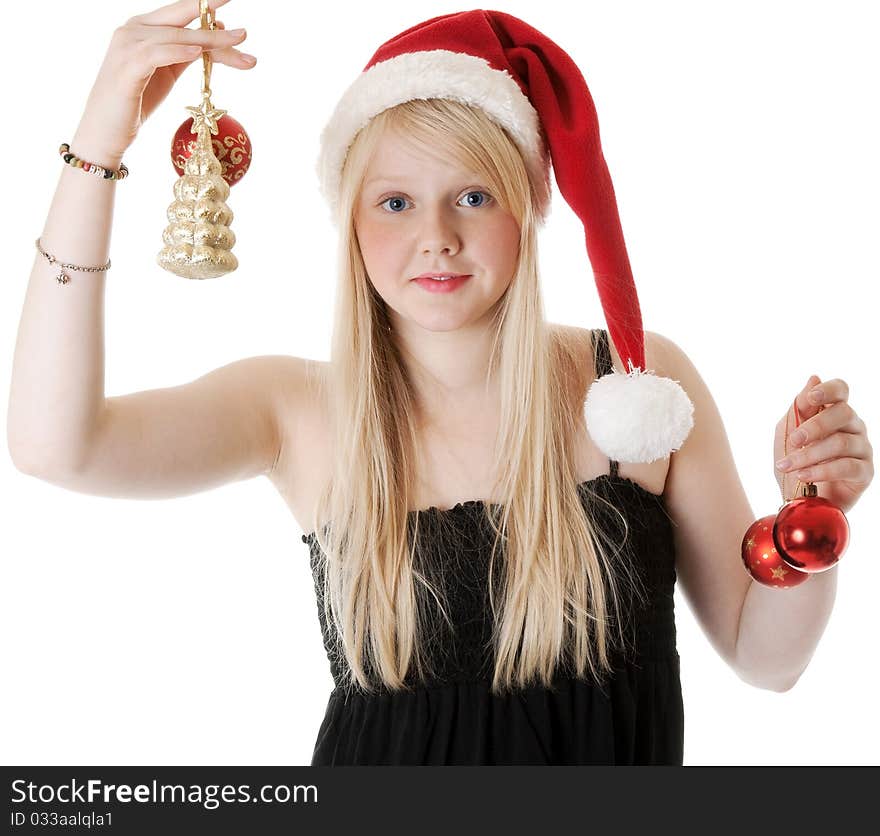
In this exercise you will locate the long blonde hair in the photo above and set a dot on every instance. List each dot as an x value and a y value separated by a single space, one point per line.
558 584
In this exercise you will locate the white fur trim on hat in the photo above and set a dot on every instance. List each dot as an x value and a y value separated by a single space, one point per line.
429 74
637 417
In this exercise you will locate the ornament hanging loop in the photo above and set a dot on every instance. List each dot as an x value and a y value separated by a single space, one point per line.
206 17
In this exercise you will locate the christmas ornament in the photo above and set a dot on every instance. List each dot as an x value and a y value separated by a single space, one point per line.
807 535
763 560
198 241
810 533
231 146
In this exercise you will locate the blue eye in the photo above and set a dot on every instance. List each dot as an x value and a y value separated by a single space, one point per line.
477 192
396 197
473 205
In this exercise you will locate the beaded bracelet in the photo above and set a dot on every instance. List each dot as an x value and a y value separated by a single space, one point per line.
93 168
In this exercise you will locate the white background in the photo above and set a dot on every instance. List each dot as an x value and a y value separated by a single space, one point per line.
742 141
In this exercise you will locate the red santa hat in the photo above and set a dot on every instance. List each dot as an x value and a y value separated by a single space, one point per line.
531 87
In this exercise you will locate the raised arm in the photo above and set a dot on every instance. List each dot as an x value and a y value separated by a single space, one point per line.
60 426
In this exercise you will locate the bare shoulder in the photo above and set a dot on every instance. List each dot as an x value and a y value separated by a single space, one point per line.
579 342
299 378
282 380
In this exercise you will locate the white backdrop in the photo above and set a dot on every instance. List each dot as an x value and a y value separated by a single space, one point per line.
741 139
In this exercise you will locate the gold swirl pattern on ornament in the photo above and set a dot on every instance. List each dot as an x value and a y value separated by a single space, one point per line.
230 152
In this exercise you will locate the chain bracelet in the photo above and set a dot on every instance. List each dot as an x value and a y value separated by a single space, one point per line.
62 277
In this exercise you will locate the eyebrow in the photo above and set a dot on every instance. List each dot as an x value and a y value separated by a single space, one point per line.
402 179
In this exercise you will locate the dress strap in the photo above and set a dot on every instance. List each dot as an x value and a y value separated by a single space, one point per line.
602 361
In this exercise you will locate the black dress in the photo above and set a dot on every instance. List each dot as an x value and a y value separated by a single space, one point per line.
635 716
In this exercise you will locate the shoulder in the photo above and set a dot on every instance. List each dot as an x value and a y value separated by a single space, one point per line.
262 380
661 354
296 380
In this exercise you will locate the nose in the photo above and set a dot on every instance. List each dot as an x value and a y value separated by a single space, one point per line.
439 233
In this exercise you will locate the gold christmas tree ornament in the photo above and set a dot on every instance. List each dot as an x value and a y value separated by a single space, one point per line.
198 241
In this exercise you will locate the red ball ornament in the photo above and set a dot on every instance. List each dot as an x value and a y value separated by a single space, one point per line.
762 559
231 146
811 534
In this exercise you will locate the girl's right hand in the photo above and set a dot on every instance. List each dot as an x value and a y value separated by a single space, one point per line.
147 54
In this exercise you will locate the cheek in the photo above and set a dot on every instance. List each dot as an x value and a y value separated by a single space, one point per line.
502 239
378 245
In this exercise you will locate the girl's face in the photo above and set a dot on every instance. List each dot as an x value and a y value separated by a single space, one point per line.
417 214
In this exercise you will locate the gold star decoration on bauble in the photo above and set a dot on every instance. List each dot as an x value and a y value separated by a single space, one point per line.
779 573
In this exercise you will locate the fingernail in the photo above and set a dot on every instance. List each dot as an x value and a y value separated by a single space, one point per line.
235 32
782 464
250 59
817 395
798 437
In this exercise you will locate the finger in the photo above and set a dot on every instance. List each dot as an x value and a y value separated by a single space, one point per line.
176 14
852 470
805 406
206 38
179 68
839 416
839 445
828 392
227 55
233 58
219 25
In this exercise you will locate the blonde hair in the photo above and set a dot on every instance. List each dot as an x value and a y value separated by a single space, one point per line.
558 584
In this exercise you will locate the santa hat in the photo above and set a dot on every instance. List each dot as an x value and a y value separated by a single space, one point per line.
531 87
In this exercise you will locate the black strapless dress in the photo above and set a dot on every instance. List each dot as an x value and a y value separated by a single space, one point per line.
635 716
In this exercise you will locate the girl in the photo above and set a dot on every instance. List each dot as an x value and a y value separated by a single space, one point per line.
495 527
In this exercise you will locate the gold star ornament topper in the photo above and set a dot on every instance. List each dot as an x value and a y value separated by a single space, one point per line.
206 116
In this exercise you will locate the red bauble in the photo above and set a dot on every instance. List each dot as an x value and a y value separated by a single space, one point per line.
231 145
811 534
762 560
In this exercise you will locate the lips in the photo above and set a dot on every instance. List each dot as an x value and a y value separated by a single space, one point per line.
435 275
444 286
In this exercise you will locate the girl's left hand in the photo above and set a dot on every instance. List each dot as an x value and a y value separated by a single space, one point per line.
834 451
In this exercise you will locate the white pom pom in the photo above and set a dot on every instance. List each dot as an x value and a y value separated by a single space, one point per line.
637 417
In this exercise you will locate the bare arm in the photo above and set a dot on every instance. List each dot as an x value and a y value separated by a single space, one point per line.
165 442
767 636
779 631
60 426
57 386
